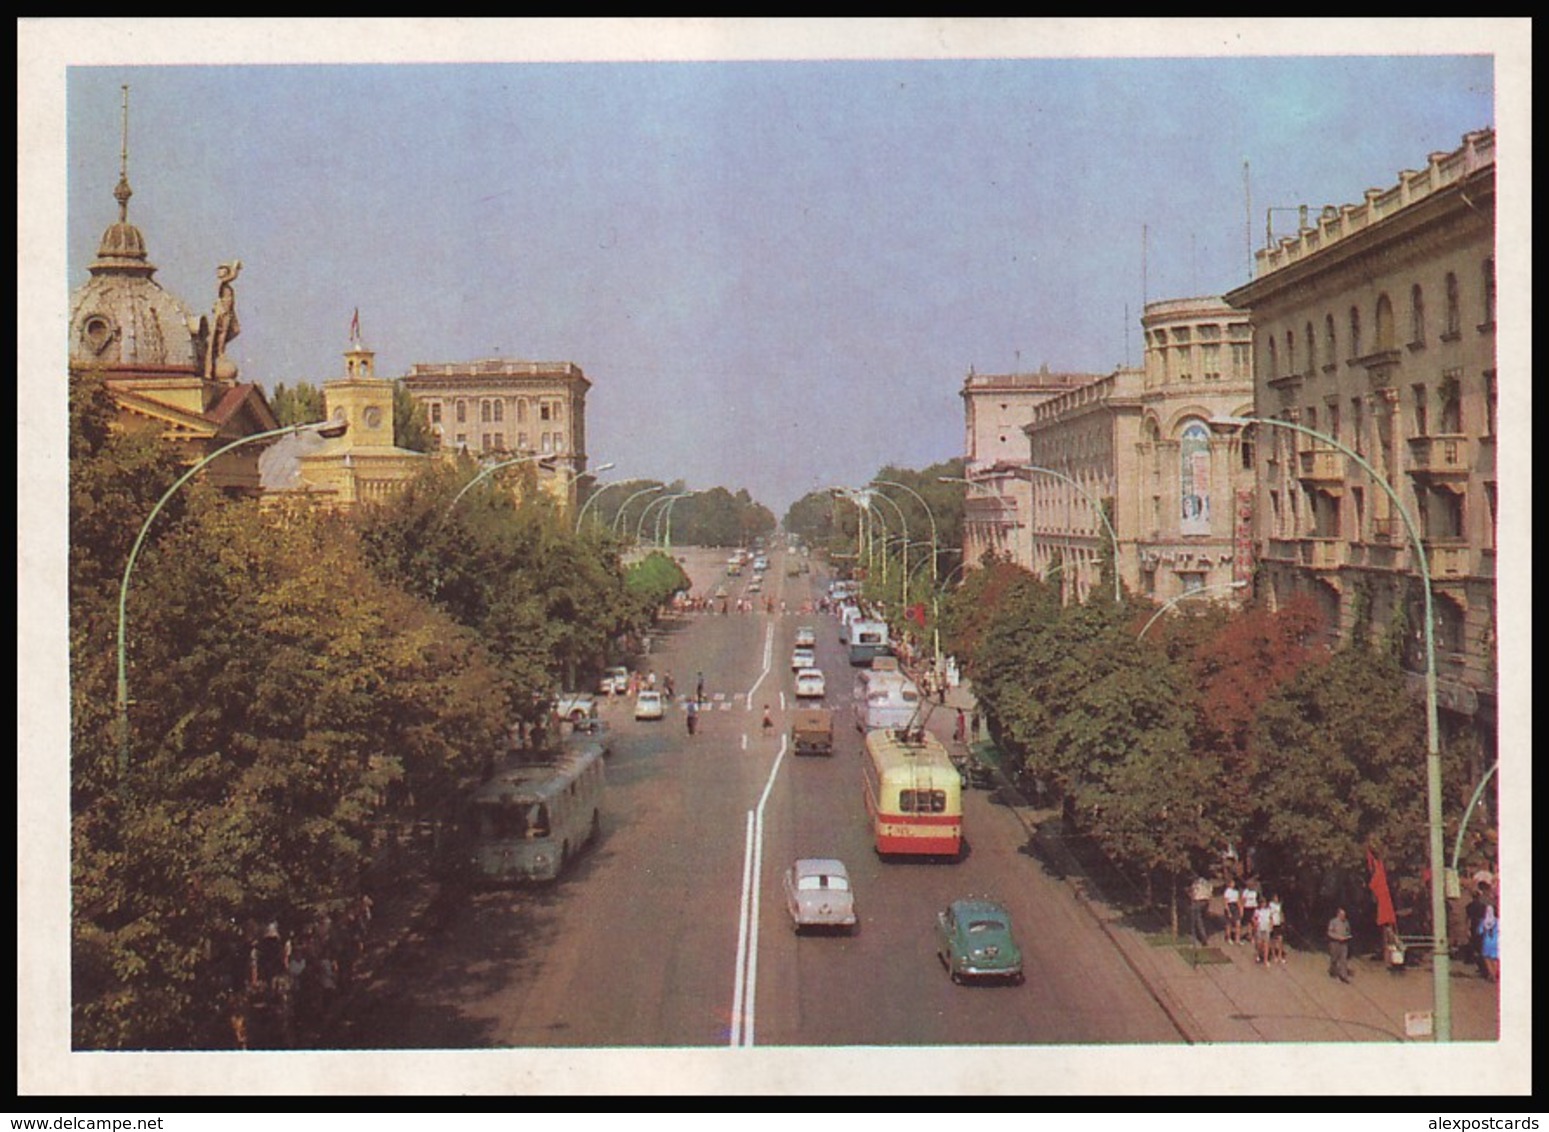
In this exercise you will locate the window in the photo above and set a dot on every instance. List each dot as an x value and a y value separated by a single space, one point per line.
543 412
922 801
1242 359
486 414
1210 360
435 412
1421 423
1358 425
1330 342
1311 343
1416 316
548 442
1451 397
462 412
1333 417
1489 403
1489 292
1290 354
1194 479
1273 370
1454 309
1385 339
500 412
521 410
1355 332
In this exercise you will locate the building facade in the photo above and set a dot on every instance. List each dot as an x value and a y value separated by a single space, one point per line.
362 465
1192 501
506 408
165 364
996 406
1374 327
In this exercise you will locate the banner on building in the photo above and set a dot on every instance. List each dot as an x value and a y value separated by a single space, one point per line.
1242 537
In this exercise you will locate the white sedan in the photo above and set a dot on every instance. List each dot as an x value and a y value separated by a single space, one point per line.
818 894
649 705
809 684
803 658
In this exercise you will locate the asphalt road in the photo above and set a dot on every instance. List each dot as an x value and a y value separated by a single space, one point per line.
672 930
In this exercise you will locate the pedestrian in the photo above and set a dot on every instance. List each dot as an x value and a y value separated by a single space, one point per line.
1339 947
699 688
960 731
667 685
1263 923
974 723
1490 944
691 715
1233 898
1199 904
1277 929
1250 908
768 724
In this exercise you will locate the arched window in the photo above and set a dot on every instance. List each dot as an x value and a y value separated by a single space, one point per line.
1454 308
1290 353
1385 339
486 414
1194 479
1331 341
462 412
1310 342
1489 291
1274 371
1416 316
1355 332
500 412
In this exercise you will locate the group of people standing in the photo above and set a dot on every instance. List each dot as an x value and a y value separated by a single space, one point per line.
1250 918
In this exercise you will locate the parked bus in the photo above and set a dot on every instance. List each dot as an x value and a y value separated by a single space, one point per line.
868 640
533 815
914 795
884 697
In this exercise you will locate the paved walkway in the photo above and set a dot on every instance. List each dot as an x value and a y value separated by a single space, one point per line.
1219 994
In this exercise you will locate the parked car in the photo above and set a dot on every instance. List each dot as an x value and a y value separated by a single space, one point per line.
649 705
812 731
575 708
818 894
803 658
613 682
810 684
974 940
806 637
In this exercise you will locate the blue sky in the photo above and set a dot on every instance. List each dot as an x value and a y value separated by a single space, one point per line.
776 273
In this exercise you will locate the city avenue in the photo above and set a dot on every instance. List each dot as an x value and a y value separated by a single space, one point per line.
672 931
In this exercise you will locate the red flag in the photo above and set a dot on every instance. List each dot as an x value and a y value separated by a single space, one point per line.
917 613
1379 886
355 326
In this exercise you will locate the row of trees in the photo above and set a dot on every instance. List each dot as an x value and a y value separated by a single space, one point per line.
1215 728
712 517
301 678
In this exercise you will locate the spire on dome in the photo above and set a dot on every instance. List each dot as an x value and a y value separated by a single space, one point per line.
123 247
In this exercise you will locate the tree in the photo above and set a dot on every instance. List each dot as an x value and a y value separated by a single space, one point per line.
411 424
301 405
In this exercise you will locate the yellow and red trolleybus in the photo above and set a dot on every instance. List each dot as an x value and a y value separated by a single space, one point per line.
914 795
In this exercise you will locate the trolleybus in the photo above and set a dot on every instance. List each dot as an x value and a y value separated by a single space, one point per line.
533 815
914 795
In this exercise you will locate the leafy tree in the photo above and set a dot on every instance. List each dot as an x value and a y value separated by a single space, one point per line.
301 405
411 424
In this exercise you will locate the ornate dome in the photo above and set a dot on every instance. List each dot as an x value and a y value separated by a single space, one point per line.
122 319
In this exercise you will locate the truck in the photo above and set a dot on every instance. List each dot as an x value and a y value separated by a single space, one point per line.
812 731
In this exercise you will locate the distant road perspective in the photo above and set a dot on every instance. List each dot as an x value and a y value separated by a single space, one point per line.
672 929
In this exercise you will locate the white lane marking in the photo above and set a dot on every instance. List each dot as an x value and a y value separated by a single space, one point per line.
782 701
768 653
744 740
746 1012
742 935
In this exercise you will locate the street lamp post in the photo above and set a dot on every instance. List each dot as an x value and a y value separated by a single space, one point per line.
935 543
1441 959
597 491
1097 507
664 501
667 512
623 507
1185 596
572 476
331 429
904 523
492 469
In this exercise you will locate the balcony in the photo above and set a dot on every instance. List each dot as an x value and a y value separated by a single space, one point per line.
1322 466
1440 458
1321 553
1448 559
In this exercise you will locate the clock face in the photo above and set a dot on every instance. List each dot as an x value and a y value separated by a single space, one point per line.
373 417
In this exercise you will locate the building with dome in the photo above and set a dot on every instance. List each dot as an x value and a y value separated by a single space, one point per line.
164 362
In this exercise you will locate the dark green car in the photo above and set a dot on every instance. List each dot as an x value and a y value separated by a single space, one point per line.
974 941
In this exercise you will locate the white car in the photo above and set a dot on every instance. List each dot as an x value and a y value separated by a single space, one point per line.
649 705
818 894
614 682
803 658
806 637
809 684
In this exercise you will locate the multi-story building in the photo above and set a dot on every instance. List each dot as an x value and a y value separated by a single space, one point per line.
995 408
1374 327
509 408
1192 502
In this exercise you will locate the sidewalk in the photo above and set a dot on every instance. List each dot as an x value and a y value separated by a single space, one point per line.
1218 993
